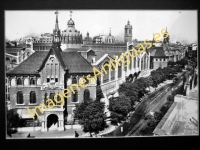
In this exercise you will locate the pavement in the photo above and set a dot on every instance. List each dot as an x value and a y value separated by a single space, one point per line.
69 133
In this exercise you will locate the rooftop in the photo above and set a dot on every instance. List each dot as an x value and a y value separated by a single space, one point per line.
177 120
71 61
105 44
157 52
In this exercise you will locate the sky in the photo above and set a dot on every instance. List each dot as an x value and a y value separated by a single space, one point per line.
181 24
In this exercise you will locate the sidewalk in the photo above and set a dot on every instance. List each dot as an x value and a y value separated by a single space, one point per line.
69 133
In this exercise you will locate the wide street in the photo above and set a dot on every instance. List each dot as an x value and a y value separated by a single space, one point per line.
151 103
153 107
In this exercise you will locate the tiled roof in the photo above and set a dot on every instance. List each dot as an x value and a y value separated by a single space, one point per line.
152 53
72 61
30 65
76 63
101 54
158 52
21 45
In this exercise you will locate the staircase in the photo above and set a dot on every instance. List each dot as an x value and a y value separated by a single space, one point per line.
54 127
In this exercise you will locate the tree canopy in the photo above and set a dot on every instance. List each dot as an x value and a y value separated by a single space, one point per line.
91 115
119 108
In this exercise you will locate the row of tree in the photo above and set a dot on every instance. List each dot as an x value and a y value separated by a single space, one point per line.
133 91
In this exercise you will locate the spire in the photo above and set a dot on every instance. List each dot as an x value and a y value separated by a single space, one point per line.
71 14
110 32
56 26
56 33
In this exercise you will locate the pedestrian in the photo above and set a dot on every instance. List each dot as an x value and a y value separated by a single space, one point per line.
76 134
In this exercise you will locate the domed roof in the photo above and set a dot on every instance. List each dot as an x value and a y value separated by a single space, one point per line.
88 39
109 38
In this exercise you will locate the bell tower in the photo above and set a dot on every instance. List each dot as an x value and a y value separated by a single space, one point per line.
56 33
128 33
166 39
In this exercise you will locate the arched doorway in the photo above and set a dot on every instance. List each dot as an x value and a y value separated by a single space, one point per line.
52 121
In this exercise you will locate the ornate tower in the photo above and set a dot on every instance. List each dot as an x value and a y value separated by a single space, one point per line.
128 33
166 40
56 33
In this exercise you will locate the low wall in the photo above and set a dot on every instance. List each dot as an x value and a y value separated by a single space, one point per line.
73 127
27 129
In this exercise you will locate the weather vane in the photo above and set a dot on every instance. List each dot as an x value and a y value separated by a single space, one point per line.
56 12
71 14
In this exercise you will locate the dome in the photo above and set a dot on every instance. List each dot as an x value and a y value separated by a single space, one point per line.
88 39
110 39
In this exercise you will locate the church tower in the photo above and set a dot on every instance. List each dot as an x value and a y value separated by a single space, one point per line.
128 33
56 33
166 40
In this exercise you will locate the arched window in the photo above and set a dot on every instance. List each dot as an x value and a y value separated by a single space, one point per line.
142 64
45 98
52 97
119 71
75 96
32 97
20 99
86 95
134 59
106 76
113 74
74 80
130 65
19 81
32 81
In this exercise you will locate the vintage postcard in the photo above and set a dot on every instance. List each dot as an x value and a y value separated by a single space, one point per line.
101 73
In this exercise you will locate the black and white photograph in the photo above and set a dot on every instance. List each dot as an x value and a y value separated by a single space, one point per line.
89 73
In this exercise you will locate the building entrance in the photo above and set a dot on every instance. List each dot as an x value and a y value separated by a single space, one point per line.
52 122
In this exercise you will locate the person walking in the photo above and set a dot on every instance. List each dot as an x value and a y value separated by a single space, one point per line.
76 134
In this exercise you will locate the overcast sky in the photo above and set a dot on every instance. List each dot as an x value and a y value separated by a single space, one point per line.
181 25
